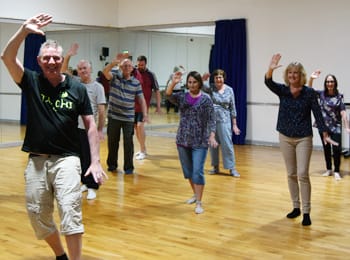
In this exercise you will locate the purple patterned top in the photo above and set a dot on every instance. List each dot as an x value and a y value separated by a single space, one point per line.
331 106
197 119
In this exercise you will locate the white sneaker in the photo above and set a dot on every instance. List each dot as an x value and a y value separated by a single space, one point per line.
327 173
140 156
198 209
83 188
234 173
91 194
337 176
191 200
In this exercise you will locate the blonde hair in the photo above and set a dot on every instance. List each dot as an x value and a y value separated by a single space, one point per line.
299 68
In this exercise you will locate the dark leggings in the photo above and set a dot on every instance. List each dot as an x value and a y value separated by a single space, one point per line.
327 149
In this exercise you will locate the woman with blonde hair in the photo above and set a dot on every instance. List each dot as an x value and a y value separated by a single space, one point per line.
297 101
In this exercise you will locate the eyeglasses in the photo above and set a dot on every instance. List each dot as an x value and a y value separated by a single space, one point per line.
330 81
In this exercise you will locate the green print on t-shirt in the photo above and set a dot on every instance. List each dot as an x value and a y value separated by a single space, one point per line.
58 103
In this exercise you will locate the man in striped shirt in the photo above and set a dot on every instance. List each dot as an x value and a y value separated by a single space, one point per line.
125 88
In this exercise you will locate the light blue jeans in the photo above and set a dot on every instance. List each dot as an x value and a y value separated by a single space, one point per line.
223 136
192 163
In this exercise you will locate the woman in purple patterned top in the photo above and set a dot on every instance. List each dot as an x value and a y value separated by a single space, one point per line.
195 133
333 111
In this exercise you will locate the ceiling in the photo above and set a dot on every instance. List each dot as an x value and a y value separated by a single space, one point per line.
206 28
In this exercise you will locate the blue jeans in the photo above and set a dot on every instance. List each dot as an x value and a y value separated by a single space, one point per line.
113 132
192 163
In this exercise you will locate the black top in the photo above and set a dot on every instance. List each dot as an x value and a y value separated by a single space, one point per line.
294 115
53 114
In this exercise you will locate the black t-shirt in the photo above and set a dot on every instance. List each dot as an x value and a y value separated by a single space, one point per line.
53 114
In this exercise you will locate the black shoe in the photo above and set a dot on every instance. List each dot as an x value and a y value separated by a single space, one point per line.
62 257
306 220
112 168
129 171
295 213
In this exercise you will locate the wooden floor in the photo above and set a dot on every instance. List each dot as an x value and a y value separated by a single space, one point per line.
143 216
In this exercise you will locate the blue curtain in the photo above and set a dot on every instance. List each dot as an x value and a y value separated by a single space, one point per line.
229 53
31 50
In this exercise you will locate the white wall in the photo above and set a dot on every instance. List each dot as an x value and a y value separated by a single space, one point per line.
313 32
79 12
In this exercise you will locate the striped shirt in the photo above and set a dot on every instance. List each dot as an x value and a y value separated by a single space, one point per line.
122 97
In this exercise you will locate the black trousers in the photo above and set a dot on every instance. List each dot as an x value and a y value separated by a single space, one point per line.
332 151
85 160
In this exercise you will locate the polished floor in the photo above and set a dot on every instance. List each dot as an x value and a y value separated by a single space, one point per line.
144 216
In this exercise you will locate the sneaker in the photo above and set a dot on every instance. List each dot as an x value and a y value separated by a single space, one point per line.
198 209
234 173
327 173
215 170
136 154
91 194
140 156
337 176
191 200
83 188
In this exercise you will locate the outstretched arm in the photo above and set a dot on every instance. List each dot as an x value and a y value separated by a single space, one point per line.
172 83
314 75
116 61
9 54
71 52
273 65
95 168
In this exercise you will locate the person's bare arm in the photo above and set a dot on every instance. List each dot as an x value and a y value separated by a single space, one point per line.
116 61
273 65
71 52
158 100
95 168
176 78
314 75
9 54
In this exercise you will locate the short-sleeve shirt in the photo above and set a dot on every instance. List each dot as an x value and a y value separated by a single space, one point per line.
149 83
53 114
97 97
123 93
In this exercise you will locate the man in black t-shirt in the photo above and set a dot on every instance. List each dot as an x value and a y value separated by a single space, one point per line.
53 171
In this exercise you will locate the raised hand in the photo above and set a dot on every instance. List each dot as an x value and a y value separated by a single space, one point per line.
73 49
315 74
35 23
177 77
206 76
122 56
274 61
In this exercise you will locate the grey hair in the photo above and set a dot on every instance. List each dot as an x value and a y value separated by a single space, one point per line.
51 44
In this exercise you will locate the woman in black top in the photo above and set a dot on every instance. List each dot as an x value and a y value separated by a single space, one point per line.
295 131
